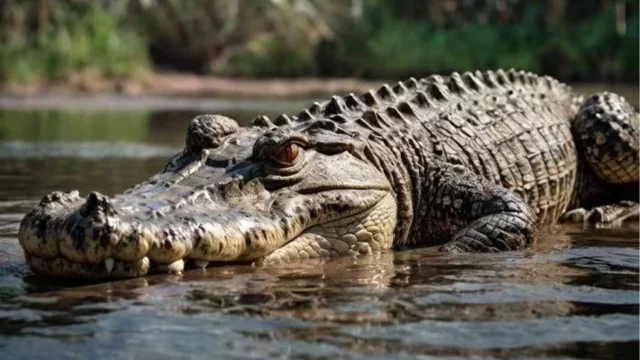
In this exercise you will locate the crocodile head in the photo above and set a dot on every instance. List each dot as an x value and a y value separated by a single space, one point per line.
264 193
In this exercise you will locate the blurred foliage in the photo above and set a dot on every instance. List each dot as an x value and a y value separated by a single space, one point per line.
571 39
51 40
239 37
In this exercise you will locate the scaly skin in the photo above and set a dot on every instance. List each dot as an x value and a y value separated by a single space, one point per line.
475 162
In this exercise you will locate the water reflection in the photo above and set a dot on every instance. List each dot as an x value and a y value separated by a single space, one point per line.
31 179
46 125
163 127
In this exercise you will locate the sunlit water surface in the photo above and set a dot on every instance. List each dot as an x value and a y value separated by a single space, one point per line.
573 296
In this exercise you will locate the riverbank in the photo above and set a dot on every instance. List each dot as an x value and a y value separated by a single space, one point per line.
192 85
180 90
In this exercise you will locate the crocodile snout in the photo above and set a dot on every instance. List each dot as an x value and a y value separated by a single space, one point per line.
71 236
127 236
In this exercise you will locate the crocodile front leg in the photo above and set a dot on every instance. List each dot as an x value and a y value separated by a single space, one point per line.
475 215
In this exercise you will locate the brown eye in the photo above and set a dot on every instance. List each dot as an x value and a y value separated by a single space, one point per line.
289 154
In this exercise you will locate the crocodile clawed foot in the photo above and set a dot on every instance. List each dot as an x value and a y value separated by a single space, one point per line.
603 216
575 216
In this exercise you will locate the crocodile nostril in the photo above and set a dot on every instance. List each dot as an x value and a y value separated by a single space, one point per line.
97 203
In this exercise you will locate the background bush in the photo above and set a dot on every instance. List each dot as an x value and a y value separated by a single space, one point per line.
575 40
50 40
571 39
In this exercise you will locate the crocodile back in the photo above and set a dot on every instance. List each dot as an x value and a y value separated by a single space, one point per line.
511 127
517 136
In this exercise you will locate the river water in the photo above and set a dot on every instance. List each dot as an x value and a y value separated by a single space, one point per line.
575 295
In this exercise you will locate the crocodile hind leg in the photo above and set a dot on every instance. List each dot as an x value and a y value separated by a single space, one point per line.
606 130
477 216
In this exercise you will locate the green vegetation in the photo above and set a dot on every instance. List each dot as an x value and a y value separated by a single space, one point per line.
388 45
576 40
51 40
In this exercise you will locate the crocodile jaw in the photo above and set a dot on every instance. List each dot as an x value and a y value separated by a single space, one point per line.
102 238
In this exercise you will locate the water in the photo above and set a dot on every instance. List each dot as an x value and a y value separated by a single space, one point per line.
575 295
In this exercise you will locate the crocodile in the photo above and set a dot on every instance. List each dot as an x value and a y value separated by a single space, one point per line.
471 162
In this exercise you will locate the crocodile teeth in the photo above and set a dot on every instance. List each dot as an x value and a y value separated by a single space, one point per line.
201 264
176 266
108 264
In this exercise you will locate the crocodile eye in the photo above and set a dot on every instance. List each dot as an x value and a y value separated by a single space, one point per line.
288 154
